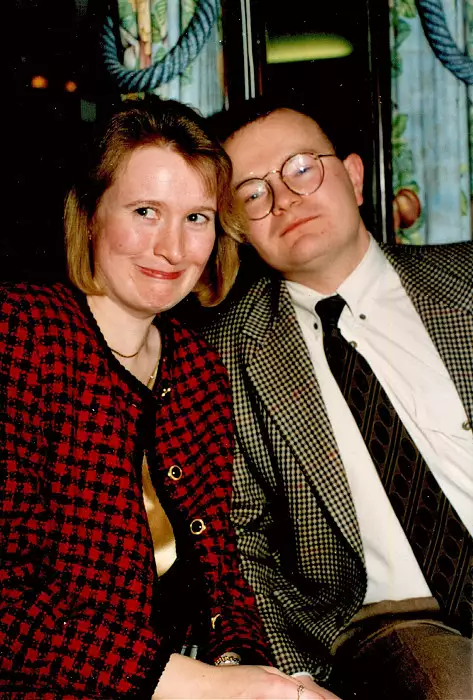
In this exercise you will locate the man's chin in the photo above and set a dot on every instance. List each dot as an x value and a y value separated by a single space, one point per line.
308 246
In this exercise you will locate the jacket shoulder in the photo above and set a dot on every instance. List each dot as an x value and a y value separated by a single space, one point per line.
441 273
40 301
254 304
453 257
40 319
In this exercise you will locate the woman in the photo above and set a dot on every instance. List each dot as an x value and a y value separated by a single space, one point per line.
116 439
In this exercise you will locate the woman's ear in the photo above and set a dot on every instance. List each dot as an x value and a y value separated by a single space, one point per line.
356 171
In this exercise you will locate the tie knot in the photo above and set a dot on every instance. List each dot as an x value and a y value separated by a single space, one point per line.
329 311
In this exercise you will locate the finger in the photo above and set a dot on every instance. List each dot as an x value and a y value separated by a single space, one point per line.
316 691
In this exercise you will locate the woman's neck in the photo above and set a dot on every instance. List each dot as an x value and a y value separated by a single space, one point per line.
133 339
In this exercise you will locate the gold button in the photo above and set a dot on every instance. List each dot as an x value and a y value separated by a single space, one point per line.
466 425
175 472
197 526
353 343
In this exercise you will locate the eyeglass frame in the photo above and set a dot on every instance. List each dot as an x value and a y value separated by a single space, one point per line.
317 156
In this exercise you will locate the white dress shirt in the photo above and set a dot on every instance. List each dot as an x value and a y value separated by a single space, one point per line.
381 319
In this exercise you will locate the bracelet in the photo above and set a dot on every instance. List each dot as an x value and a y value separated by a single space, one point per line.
229 658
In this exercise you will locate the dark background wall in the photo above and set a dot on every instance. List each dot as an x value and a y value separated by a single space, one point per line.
57 40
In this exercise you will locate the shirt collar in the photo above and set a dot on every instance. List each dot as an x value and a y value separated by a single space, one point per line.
361 287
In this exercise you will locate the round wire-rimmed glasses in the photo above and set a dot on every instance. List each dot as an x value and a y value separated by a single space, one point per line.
302 173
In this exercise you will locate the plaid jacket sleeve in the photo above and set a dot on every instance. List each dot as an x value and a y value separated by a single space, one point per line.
93 651
283 604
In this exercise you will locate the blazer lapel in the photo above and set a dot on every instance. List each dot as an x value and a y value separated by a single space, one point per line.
445 304
279 367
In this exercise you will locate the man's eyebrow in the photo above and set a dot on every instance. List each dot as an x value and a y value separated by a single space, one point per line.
278 170
245 179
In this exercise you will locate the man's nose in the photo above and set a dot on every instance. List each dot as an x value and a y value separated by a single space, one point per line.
284 197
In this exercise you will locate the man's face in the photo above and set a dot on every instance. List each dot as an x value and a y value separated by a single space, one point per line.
304 236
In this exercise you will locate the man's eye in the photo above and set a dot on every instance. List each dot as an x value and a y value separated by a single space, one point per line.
253 195
251 192
302 170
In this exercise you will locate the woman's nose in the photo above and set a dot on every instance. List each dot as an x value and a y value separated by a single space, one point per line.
169 243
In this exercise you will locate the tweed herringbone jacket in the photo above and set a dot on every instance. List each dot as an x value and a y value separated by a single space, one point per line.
77 565
295 518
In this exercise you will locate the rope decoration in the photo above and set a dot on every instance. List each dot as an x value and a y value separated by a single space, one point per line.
175 62
443 45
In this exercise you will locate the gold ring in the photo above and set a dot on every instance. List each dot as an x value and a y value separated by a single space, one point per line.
300 690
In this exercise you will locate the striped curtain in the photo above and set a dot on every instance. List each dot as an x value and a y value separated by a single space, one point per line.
432 119
149 29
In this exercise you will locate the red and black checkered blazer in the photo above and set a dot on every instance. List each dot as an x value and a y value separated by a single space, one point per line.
77 565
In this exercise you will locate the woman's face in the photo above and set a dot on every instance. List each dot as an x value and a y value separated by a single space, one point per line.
154 231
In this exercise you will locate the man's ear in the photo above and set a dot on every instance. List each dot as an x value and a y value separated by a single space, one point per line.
356 171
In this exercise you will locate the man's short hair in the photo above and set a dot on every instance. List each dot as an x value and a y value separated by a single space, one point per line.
336 127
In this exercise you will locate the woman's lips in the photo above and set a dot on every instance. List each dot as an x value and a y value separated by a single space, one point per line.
160 274
296 224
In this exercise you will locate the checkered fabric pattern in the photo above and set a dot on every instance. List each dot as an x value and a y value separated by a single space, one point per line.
77 572
295 518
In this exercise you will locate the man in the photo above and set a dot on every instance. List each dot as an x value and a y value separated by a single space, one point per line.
366 587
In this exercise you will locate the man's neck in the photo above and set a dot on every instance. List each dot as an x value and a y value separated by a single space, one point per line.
332 271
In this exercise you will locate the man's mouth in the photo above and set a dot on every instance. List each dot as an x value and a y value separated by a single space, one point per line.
296 223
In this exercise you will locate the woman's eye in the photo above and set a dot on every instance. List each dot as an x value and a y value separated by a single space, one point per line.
196 218
146 212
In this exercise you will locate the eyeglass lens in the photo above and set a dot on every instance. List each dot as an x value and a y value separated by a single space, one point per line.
303 173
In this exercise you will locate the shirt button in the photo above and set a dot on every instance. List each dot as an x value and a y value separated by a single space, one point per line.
466 425
175 472
353 343
363 317
197 526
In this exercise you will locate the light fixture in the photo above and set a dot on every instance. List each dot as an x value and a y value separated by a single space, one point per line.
70 86
39 82
306 47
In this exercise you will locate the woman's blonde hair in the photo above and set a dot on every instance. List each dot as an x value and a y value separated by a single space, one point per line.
169 124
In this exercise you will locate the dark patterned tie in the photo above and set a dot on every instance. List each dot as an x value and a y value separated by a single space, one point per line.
439 540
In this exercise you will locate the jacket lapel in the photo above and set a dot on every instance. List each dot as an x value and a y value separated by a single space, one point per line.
279 367
445 304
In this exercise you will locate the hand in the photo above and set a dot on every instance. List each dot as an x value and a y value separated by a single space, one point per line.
309 684
185 678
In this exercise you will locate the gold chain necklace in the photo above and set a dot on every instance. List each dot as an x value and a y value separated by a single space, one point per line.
127 357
